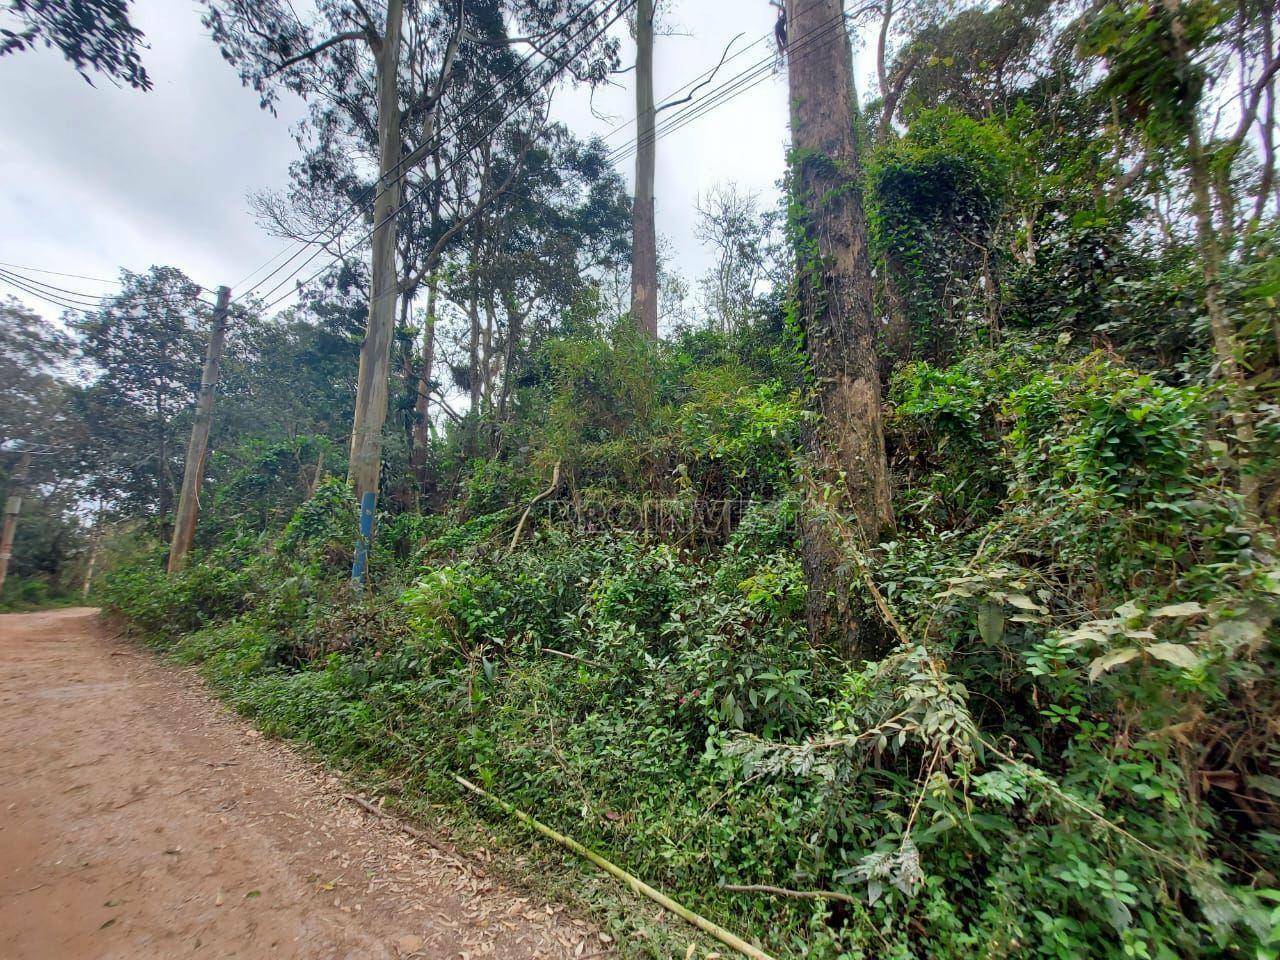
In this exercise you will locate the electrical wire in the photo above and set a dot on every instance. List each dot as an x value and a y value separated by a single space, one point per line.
354 206
356 211
726 92
730 90
96 299
56 273
45 297
88 309
625 5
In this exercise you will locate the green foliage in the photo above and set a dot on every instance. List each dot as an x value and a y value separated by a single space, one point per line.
949 171
1085 652
737 440
323 528
1065 745
93 35
933 199
1144 70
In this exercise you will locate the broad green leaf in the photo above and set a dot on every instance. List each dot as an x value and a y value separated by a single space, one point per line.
1237 633
990 622
1128 609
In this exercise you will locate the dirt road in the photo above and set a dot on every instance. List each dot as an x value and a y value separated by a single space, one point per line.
140 819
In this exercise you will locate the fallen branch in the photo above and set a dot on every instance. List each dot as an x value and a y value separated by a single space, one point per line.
794 894
634 883
555 482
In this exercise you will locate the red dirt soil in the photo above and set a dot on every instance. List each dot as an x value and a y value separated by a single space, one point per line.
141 819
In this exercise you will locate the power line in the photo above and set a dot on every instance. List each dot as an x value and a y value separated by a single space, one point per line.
18 269
421 152
702 78
96 299
625 5
56 273
78 301
356 212
45 297
732 88
86 307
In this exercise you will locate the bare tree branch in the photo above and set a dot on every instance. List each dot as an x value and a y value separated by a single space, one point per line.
319 48
694 92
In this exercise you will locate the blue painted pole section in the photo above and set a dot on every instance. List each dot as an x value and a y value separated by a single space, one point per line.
360 566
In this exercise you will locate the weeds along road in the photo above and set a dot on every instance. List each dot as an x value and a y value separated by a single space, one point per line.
140 819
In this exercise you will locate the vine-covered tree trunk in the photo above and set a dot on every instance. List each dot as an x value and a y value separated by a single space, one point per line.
835 290
375 352
898 337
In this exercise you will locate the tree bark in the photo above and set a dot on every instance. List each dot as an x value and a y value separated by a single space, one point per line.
1226 341
422 403
835 288
644 235
473 343
375 352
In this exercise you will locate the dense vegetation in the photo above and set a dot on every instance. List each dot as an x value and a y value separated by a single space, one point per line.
1052 729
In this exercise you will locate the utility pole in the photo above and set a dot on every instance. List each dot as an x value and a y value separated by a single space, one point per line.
12 507
644 229
184 526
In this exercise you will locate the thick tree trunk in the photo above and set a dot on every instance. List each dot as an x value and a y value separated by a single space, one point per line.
644 240
375 352
837 304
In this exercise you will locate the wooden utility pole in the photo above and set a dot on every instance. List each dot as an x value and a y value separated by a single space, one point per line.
375 352
184 525
644 231
847 446
12 507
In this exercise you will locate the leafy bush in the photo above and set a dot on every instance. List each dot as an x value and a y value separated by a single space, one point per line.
1066 750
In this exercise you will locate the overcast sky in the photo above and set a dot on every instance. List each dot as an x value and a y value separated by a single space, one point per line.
93 179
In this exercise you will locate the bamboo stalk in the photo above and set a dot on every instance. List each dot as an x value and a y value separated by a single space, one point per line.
634 883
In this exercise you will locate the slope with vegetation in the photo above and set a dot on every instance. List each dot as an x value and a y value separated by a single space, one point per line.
627 589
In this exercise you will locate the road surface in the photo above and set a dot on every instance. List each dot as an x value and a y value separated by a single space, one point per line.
140 819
